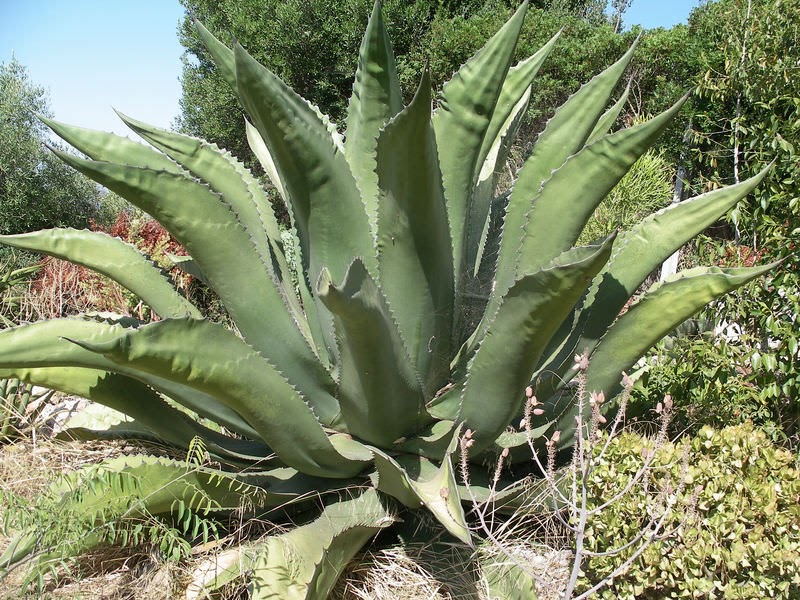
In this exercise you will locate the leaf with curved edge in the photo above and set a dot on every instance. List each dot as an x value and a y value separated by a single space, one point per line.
415 262
606 122
211 359
415 482
506 120
376 98
529 315
138 401
223 173
664 307
380 394
637 252
466 106
100 145
204 225
321 326
43 344
242 192
220 54
260 149
564 135
113 258
568 199
304 563
327 210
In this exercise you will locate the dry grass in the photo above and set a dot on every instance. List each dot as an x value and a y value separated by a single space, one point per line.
417 572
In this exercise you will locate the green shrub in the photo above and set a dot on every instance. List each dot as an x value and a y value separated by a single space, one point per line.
735 527
646 188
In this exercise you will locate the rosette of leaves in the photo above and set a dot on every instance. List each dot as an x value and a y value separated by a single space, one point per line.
422 301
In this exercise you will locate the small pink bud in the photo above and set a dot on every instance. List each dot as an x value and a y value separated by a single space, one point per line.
659 408
468 443
556 437
504 453
668 402
529 392
522 424
538 411
582 361
468 433
601 419
597 397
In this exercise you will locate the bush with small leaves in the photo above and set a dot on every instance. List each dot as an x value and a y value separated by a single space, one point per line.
735 526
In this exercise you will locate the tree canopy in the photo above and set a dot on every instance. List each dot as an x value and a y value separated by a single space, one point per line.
37 190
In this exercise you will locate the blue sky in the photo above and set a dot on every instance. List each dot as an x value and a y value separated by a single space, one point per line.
92 55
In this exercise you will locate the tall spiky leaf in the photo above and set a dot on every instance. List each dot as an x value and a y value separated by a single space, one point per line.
376 98
380 393
414 252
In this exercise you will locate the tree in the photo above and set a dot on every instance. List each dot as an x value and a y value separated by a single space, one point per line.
310 44
36 189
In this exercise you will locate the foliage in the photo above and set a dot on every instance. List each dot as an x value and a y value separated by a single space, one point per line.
113 503
15 398
407 323
310 44
742 365
734 527
36 189
646 188
13 282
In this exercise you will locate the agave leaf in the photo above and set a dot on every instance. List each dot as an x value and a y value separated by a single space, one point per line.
414 251
381 397
376 98
208 229
304 563
45 344
636 254
565 134
221 55
321 326
506 578
415 482
260 149
640 250
462 121
606 122
188 266
551 229
664 307
138 401
209 358
517 85
506 120
242 192
223 173
327 209
515 338
100 145
113 258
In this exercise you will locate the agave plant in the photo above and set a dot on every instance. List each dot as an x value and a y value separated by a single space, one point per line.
420 303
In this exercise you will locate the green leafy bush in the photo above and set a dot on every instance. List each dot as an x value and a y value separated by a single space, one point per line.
735 526
740 362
